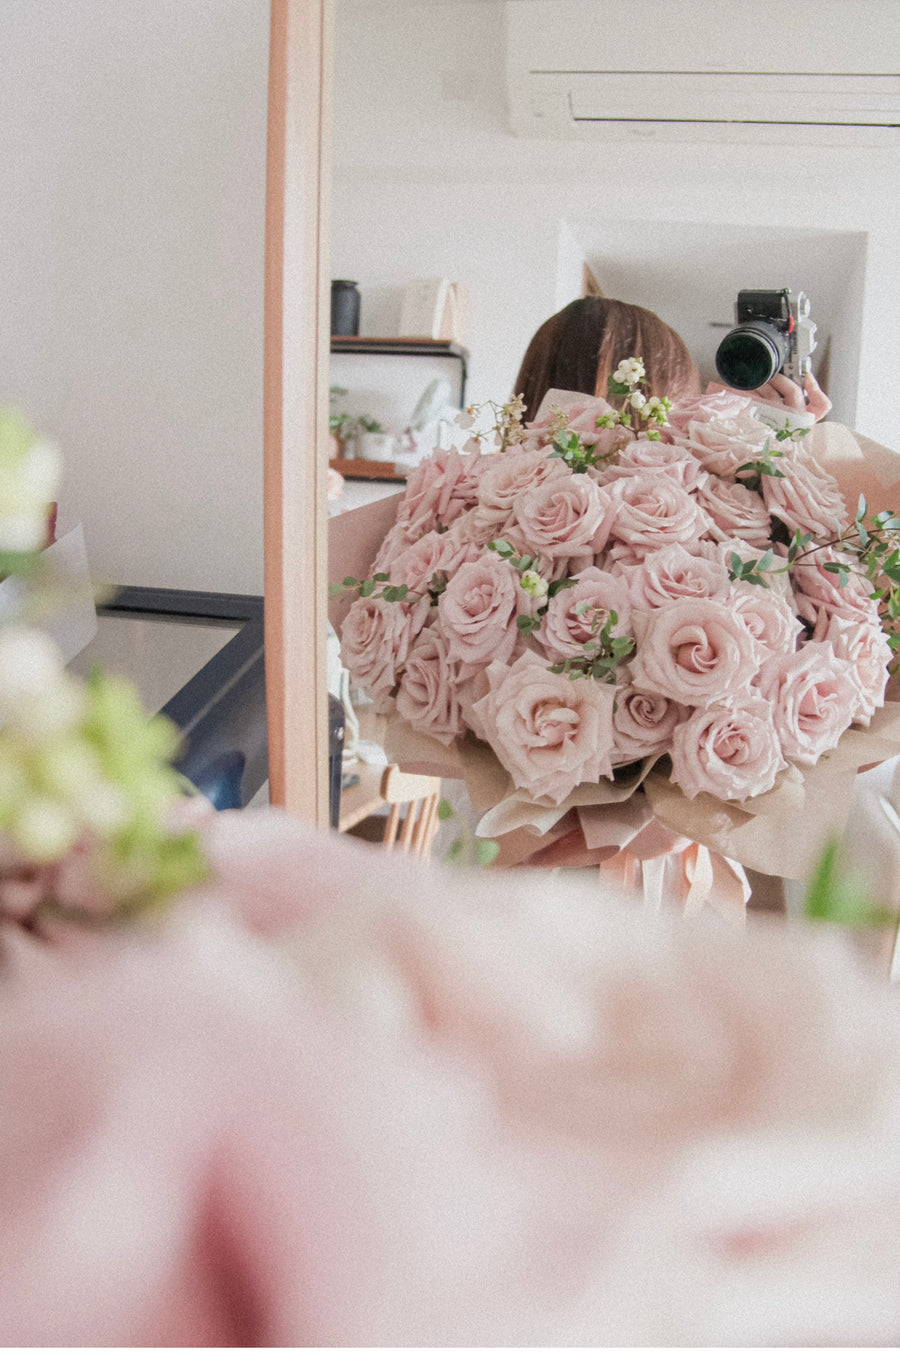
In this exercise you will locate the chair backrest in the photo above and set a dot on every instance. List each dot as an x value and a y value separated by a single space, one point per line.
421 795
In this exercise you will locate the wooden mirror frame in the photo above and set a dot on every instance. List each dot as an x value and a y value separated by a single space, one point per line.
295 401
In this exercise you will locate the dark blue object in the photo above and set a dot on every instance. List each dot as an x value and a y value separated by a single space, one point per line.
220 780
221 711
335 758
345 302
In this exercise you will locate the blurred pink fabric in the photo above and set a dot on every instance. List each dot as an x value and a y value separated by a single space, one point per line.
341 1099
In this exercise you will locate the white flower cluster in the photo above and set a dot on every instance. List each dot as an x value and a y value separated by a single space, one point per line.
86 788
52 787
630 372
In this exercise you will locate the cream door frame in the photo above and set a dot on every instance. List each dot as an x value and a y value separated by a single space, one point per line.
295 409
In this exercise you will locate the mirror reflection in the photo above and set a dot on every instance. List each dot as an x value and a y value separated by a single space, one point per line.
434 179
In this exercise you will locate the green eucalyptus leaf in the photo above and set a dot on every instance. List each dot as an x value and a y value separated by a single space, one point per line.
486 852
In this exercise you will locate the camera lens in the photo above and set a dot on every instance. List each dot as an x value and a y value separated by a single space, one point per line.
751 354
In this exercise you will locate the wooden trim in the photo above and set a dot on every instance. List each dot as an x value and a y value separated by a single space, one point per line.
352 468
295 416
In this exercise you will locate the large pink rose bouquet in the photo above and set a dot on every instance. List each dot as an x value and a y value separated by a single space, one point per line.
670 601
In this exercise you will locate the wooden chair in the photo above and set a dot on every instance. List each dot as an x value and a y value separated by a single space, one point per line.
421 795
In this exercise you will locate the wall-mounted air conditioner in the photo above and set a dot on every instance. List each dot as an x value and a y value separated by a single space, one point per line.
813 71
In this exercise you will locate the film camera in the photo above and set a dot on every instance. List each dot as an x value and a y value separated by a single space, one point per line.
773 332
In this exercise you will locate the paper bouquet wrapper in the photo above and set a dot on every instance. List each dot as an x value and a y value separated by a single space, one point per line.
624 826
74 626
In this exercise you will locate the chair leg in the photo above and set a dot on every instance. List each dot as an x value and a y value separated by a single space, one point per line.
390 830
409 822
431 825
419 839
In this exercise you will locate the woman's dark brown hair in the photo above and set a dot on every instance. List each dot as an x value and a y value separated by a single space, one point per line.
581 345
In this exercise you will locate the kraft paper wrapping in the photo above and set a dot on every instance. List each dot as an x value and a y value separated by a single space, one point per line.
353 541
781 833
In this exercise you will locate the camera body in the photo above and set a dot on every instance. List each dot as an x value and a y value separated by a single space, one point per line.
773 333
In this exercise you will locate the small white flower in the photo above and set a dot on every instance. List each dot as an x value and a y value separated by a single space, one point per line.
532 582
39 473
30 664
22 532
637 400
53 711
44 829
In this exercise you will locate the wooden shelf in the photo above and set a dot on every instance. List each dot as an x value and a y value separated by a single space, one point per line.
357 469
399 347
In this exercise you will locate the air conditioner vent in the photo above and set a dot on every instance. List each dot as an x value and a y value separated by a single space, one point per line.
837 90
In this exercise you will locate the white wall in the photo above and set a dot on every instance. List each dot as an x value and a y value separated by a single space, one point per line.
131 239
131 273
428 181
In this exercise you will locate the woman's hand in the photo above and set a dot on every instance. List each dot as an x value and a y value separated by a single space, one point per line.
784 393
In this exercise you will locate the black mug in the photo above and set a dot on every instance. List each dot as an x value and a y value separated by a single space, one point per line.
344 307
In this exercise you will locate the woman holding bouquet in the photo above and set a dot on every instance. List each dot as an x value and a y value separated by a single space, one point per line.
580 347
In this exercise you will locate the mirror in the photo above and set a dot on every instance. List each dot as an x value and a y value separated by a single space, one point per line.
428 180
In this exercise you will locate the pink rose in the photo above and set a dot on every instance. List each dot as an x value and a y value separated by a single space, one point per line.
437 552
550 733
777 577
643 723
562 519
818 589
865 647
376 638
581 410
813 695
806 498
509 476
735 511
576 615
722 404
398 539
477 612
767 616
427 698
642 454
695 653
673 574
729 750
580 413
440 489
651 511
723 444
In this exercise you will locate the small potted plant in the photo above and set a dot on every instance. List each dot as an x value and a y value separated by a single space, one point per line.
339 425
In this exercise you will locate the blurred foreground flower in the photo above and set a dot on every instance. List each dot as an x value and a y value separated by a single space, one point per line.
86 791
88 798
30 470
